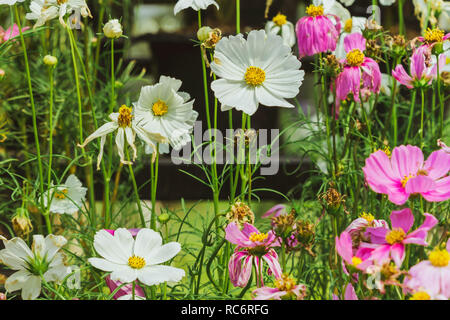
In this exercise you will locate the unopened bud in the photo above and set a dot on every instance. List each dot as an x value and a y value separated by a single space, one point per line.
163 218
113 29
203 33
50 60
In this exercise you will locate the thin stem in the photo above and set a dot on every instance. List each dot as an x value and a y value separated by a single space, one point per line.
401 20
154 185
135 189
238 16
34 116
411 114
441 101
422 115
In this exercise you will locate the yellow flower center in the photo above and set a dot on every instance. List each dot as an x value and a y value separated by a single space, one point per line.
387 150
255 76
125 116
405 180
355 58
395 236
285 283
279 19
160 108
314 11
435 35
356 261
257 237
61 194
368 216
136 262
420 295
348 25
439 258
422 172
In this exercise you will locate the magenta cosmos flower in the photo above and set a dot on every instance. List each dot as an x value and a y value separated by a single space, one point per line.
406 173
316 33
357 67
349 294
390 243
252 248
285 289
357 228
433 37
421 74
432 277
360 260
11 33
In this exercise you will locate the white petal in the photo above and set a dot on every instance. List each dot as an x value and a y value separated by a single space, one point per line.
236 94
164 253
32 288
104 264
102 131
157 274
124 274
105 245
146 241
17 280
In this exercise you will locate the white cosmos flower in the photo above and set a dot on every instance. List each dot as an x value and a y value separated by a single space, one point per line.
44 10
127 128
194 4
43 258
66 198
258 70
280 26
163 109
129 259
10 2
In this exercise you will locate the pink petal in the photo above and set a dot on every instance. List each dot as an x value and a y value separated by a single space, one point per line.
419 184
398 253
350 293
402 219
406 160
437 164
354 41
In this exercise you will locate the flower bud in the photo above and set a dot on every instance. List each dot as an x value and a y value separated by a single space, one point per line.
50 60
163 218
203 33
21 223
113 29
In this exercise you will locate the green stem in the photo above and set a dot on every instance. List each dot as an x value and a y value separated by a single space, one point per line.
136 192
401 20
238 16
441 100
34 116
154 177
422 115
411 114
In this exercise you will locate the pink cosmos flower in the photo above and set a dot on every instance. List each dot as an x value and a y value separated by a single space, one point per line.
360 260
357 228
432 37
252 248
406 173
357 67
275 211
390 243
443 146
285 289
433 275
421 73
10 34
349 294
126 290
316 33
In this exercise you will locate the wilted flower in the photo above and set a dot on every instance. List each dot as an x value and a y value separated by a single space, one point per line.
43 260
44 10
21 223
127 128
113 29
332 199
240 213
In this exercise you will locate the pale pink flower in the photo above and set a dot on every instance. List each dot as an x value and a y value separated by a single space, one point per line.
390 243
432 275
12 33
357 67
360 260
349 294
275 211
443 146
316 32
285 289
252 248
422 74
405 173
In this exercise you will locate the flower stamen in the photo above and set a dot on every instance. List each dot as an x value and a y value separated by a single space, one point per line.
314 11
435 35
279 19
258 237
160 108
348 25
136 262
255 76
395 236
439 258
61 194
125 116
355 58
